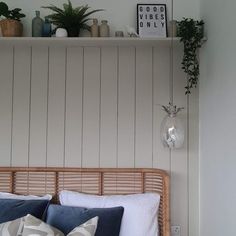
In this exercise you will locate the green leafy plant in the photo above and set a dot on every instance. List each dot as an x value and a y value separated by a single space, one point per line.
71 19
191 34
14 14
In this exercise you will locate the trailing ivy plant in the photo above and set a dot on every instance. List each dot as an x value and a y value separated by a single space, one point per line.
191 34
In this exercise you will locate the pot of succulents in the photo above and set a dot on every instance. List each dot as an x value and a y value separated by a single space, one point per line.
191 33
73 19
10 23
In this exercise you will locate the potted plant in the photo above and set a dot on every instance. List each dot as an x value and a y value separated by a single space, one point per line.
69 18
191 33
11 25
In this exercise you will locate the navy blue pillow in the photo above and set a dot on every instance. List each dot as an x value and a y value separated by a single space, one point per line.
66 218
11 209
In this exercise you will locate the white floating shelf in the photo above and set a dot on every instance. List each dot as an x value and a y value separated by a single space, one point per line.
86 41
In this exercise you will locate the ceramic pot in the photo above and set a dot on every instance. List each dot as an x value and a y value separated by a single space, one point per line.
61 33
95 28
104 29
11 28
73 32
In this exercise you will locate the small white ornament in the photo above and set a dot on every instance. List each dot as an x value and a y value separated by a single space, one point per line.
131 31
61 32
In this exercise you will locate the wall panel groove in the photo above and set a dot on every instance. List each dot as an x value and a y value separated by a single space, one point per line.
143 113
39 101
74 110
108 111
117 105
47 108
56 107
91 107
126 107
6 95
20 132
65 109
30 114
161 60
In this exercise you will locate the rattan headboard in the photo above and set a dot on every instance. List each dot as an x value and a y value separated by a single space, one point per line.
100 181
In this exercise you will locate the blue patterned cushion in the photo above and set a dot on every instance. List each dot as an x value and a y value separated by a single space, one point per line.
66 218
12 209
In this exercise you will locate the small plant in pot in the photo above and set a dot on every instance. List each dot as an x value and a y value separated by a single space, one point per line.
191 33
10 24
70 18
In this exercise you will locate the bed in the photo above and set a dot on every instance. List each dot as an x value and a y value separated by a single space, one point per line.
100 181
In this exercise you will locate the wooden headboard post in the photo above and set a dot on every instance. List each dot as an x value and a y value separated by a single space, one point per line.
101 181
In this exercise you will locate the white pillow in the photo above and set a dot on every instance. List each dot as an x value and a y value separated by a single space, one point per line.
24 197
140 210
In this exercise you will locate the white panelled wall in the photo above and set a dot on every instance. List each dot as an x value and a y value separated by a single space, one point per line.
98 107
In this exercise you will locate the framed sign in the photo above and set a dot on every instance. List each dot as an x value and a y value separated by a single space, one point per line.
151 20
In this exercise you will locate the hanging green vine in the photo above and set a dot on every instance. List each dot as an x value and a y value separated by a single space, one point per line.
191 34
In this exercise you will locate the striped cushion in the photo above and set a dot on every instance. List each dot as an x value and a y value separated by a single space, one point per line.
13 227
34 226
30 225
86 229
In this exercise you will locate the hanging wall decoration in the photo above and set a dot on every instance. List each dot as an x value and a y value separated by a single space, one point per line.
151 20
172 129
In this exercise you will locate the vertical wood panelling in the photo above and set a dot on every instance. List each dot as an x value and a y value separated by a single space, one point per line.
74 92
56 107
98 107
21 105
38 114
179 188
126 103
161 62
91 107
6 82
143 121
108 112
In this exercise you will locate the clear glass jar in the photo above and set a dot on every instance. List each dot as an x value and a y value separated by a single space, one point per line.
172 132
95 28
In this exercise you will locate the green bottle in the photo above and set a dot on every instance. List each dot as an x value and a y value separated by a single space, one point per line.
37 25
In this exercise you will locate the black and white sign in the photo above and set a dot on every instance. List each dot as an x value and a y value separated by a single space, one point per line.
151 20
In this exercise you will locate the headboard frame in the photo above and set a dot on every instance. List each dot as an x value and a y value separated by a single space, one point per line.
101 181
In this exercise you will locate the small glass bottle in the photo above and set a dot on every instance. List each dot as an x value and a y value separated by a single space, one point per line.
37 25
94 28
104 29
47 28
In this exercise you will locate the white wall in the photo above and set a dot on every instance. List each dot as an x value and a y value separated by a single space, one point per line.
118 12
217 120
32 129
